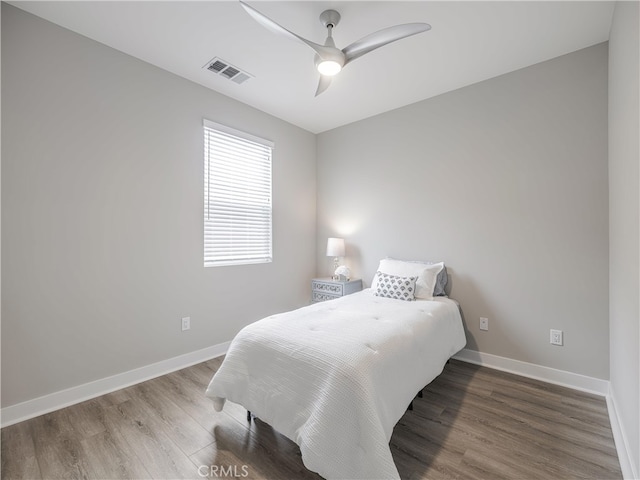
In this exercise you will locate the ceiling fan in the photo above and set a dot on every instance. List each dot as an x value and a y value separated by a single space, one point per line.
329 59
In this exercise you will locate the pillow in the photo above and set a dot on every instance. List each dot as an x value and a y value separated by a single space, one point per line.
441 282
391 286
426 274
441 279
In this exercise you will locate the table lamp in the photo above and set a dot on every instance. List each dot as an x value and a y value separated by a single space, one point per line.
335 249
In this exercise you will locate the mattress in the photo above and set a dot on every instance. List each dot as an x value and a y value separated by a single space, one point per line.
335 377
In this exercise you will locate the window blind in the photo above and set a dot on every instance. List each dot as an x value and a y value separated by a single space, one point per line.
237 197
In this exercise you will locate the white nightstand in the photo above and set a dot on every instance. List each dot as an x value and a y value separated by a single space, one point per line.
327 289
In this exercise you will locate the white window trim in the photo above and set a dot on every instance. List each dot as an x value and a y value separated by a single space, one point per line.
208 261
238 133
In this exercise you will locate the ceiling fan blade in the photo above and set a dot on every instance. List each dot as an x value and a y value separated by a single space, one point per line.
381 38
323 84
280 30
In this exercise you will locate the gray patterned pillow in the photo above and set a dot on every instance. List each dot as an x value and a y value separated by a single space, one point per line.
400 288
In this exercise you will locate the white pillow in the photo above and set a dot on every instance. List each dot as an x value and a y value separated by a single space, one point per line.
427 275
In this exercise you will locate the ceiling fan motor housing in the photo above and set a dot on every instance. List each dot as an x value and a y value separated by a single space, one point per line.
329 18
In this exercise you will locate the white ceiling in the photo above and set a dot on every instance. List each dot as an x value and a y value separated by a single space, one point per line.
468 42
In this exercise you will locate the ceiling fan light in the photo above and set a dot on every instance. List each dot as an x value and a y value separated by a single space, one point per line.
329 67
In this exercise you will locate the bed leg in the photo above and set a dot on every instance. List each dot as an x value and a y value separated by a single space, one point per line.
249 416
410 405
420 394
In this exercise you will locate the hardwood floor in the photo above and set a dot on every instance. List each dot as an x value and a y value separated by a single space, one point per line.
472 423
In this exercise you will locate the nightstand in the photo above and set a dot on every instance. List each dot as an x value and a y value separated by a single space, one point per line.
327 289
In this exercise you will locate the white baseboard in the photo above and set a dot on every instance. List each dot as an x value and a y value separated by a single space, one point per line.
64 398
537 372
620 438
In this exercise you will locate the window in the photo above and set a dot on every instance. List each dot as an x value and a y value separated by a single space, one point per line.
237 197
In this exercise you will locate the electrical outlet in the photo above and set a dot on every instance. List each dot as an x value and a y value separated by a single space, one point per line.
484 323
555 337
186 323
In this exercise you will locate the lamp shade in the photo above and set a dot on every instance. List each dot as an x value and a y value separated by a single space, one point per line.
335 247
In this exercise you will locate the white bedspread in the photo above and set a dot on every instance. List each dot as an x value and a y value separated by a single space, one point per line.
335 377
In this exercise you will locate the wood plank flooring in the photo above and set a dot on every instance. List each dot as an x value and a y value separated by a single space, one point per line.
472 423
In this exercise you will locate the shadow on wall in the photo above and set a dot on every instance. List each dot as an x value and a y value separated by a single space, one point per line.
471 341
353 260
460 288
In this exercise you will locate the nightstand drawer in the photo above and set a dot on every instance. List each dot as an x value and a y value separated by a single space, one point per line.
334 288
323 289
321 297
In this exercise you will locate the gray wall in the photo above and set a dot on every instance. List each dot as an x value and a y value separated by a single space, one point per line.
504 180
102 213
624 219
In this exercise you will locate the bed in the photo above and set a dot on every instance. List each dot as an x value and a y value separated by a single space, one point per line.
335 377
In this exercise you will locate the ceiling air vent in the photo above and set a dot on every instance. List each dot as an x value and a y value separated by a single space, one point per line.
217 66
224 69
